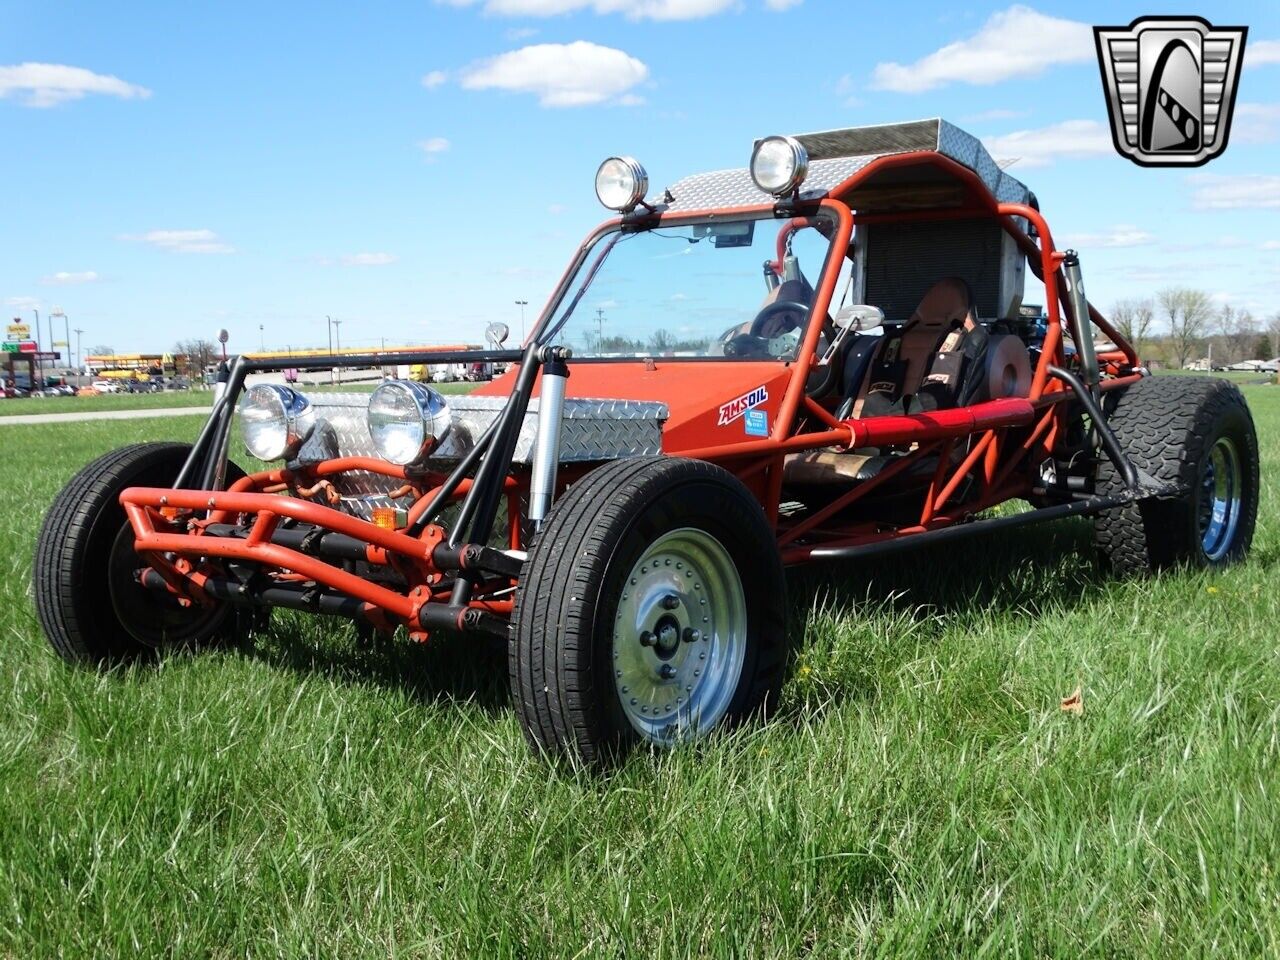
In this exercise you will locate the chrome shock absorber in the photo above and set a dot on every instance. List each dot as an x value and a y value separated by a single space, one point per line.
546 451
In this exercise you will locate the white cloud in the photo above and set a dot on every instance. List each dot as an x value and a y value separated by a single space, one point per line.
1270 245
633 9
1247 191
183 241
49 84
1256 122
434 146
22 303
777 6
64 278
1122 235
1018 42
1258 53
561 74
1040 147
516 34
367 259
434 79
555 209
986 116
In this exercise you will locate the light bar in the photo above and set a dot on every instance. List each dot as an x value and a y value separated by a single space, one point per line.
779 165
621 183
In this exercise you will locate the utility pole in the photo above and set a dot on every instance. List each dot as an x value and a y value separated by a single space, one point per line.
262 339
337 339
39 362
329 324
66 324
79 353
599 328
522 304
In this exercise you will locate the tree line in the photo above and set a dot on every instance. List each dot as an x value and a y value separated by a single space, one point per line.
1180 325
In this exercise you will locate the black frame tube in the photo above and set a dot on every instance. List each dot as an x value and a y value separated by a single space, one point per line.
201 466
1074 509
1115 453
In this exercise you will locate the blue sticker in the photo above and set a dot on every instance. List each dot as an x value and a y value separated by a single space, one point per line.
756 423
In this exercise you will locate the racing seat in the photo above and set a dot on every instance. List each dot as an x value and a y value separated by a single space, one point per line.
932 362
935 361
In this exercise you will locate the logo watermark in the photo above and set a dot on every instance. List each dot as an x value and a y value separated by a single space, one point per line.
1171 88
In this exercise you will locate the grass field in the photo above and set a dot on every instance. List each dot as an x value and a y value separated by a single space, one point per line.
171 399
106 401
921 792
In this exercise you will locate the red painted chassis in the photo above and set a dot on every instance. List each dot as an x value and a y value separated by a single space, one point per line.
1006 440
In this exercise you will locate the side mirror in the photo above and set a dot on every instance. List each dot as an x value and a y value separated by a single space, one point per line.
496 333
858 317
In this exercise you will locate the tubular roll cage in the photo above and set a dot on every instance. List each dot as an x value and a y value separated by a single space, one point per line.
457 581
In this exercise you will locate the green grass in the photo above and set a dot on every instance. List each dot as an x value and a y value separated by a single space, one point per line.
106 401
920 793
175 398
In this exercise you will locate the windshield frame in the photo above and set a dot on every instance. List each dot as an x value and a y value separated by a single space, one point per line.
584 264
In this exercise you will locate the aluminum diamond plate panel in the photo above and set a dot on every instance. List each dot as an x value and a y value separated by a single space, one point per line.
592 429
735 188
835 155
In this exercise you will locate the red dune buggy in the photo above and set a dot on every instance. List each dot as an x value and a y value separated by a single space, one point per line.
825 355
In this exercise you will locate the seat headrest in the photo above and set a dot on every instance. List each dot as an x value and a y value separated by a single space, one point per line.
946 303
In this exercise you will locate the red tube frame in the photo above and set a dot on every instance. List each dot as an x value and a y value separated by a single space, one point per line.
990 422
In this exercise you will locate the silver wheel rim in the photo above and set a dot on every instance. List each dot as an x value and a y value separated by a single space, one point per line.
1221 492
680 637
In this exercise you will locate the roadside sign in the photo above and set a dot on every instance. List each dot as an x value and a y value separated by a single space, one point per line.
19 331
19 346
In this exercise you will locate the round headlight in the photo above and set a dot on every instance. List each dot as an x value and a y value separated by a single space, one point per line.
406 418
276 420
621 183
779 165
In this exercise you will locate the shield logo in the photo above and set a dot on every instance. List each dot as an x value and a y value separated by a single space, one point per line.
1171 88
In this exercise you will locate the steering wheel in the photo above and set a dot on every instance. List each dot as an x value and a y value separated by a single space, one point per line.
772 310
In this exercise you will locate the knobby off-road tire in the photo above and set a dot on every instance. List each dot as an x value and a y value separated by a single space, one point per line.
651 609
91 608
1196 434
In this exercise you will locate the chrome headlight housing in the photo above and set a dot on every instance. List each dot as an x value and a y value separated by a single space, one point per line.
621 183
406 419
779 165
276 421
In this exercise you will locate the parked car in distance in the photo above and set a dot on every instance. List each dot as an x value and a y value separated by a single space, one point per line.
105 386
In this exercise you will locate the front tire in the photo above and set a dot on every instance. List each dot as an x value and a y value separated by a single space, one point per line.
651 610
90 605
1197 435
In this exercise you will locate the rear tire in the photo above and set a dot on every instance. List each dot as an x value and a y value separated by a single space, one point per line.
651 609
87 602
1199 436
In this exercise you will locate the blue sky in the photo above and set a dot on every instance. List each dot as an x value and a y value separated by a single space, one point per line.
413 168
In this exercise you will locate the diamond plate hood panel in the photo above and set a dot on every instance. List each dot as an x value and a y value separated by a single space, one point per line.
836 155
592 429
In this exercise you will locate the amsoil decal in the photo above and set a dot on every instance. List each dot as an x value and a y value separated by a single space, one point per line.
734 409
